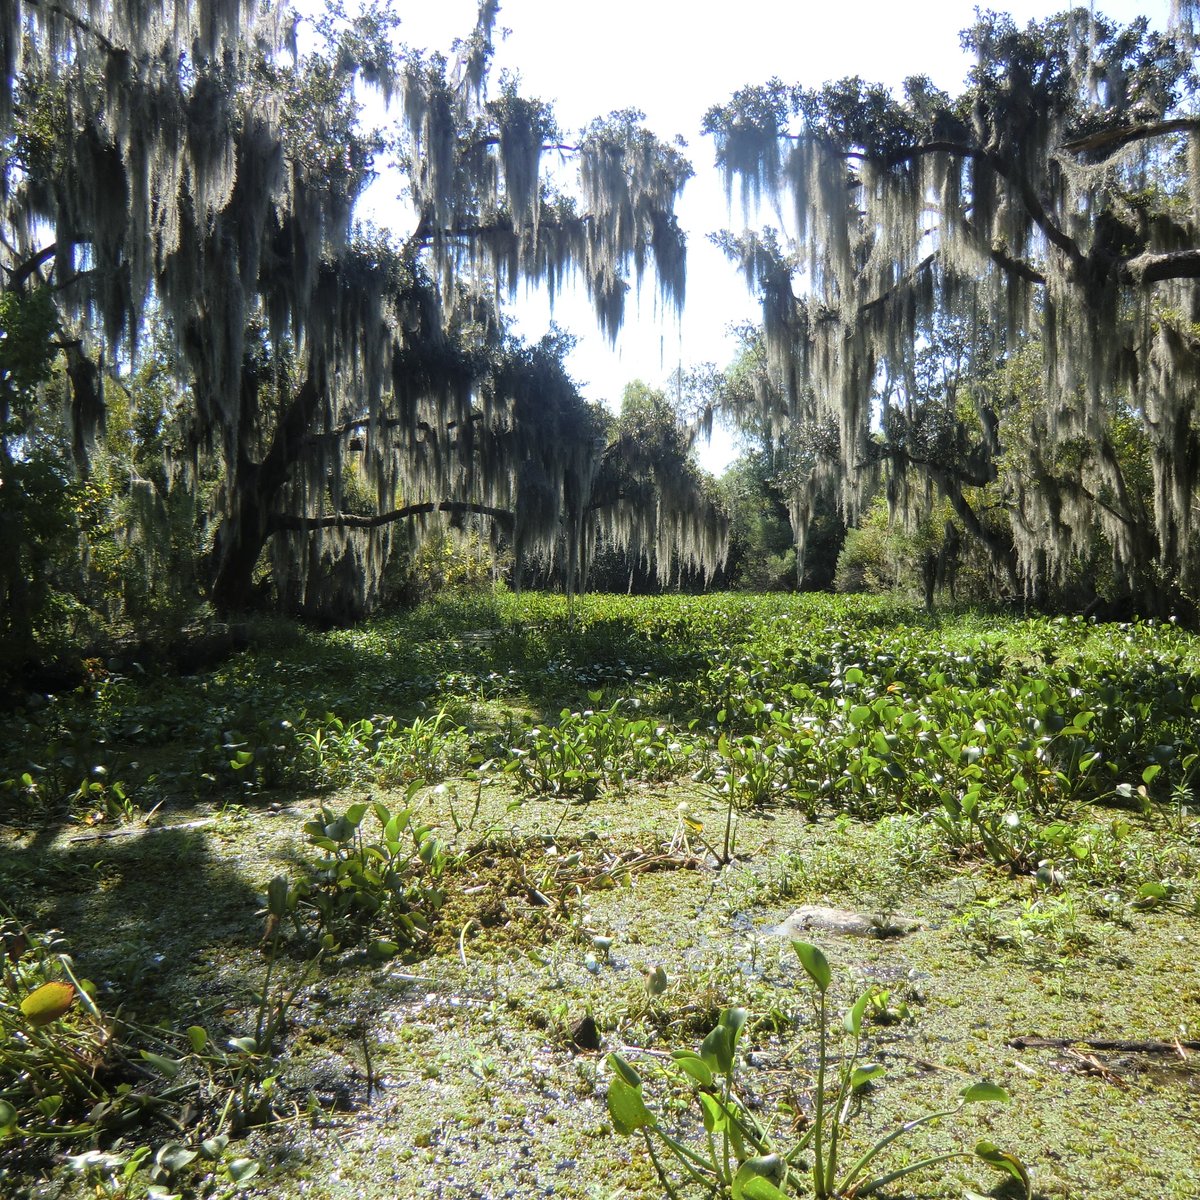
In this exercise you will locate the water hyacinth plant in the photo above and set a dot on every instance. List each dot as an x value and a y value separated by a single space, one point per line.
738 1157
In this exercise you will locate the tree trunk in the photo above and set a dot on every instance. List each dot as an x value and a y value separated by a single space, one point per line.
253 492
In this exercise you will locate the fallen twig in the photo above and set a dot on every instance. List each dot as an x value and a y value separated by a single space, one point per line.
1134 1047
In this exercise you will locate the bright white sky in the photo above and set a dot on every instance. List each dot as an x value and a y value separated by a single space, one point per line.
673 60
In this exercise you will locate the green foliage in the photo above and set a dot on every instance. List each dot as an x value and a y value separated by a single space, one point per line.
450 560
35 484
1052 761
53 1039
65 1067
28 325
324 438
385 889
993 315
738 1157
585 751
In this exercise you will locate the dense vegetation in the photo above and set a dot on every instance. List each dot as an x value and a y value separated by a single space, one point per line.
220 391
461 889
289 387
986 301
470 790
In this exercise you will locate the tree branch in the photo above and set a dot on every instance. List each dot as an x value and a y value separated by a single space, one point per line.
80 23
1154 268
1029 198
884 297
1116 139
20 273
381 426
281 522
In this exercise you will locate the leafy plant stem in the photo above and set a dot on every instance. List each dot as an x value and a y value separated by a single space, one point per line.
662 1175
822 1182
688 1157
727 848
873 1185
885 1141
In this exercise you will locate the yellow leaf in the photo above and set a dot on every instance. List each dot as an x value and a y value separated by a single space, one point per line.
47 1003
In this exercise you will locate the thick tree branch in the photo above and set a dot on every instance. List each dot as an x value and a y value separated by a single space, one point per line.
884 297
1015 266
995 544
494 140
1154 268
281 522
1115 139
1029 198
22 271
80 23
426 232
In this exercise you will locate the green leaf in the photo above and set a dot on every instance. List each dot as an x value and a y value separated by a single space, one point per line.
212 1148
174 1156
1150 895
626 1107
340 830
716 1119
8 1118
165 1066
618 1064
985 1093
852 1021
758 1188
867 1073
755 1178
717 1049
241 1170
1148 775
815 963
734 1019
1006 1163
381 950
694 1066
197 1037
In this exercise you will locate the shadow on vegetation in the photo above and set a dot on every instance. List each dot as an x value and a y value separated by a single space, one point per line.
155 918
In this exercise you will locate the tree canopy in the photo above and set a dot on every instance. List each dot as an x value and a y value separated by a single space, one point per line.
986 303
182 164
1050 210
